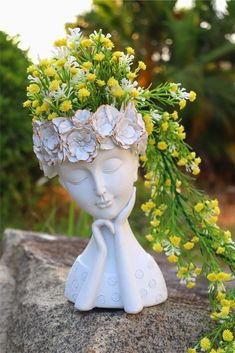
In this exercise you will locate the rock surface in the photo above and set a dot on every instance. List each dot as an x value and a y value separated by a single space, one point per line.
35 317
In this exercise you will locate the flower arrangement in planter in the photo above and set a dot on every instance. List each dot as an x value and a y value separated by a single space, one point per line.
91 121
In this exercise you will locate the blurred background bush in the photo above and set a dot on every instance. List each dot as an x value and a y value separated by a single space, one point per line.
194 46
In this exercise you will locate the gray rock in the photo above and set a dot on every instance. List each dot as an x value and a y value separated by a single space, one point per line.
35 317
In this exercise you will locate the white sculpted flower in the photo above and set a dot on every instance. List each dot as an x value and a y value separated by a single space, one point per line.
130 128
81 144
104 120
81 116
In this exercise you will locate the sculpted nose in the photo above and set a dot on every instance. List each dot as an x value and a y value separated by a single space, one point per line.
99 185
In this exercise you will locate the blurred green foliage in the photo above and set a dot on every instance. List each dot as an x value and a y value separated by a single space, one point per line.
18 167
192 46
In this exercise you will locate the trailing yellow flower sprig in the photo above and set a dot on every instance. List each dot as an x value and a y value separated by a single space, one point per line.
184 221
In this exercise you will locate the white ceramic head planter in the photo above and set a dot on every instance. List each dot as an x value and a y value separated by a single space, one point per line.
114 271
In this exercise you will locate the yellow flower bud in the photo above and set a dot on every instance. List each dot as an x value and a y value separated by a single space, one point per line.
162 145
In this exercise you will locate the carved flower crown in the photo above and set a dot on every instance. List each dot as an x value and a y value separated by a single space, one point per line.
78 138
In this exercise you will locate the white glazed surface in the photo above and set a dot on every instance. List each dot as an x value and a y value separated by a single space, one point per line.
114 271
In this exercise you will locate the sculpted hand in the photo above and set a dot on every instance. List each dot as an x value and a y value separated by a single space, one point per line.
98 234
126 211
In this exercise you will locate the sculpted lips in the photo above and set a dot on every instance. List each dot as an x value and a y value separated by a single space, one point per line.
104 204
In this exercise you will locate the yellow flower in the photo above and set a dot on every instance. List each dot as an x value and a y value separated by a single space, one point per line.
33 88
149 128
195 239
223 276
190 284
175 153
31 69
212 277
191 350
172 258
227 335
182 135
143 158
148 184
225 302
181 271
107 43
73 70
130 51
60 62
50 71
178 183
165 126
173 87
86 42
220 296
44 62
197 271
117 54
100 83
134 93
182 162
197 160
182 104
199 206
174 115
99 56
224 311
192 96
195 170
227 236
189 245
175 240
112 82
157 247
166 116
157 212
54 85
220 250
131 75
147 206
149 237
38 110
168 182
52 116
141 65
118 92
162 145
44 107
60 42
66 105
27 104
149 175
35 103
205 343
155 222
192 155
213 350
83 93
87 65
36 73
212 219
91 77
152 141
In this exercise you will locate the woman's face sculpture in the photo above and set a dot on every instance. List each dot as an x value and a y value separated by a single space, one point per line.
103 187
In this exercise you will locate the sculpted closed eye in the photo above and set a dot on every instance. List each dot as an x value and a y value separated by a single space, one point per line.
111 165
78 177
